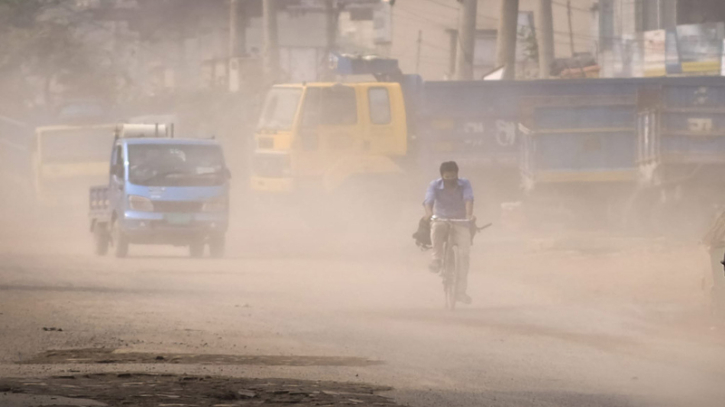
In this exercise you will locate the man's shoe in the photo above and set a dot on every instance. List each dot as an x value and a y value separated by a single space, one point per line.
434 266
464 299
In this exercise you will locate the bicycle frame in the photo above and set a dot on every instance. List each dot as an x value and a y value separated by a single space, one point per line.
450 266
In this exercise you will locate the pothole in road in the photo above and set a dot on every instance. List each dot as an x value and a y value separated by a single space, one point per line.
117 356
145 390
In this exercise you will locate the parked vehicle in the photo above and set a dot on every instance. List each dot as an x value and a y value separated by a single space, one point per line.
681 151
66 160
549 143
578 161
161 190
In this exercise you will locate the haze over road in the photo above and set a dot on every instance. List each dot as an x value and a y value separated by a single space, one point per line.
558 322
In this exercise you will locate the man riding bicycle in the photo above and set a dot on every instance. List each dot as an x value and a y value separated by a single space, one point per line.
450 197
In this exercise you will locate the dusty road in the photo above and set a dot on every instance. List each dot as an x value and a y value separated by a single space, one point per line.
581 322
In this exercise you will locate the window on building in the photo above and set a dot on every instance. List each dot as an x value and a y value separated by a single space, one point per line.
700 11
656 14
379 106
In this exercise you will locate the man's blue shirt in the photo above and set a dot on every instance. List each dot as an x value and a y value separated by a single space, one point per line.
449 203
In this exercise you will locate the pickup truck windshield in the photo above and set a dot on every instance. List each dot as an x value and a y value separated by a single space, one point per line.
75 145
176 165
280 108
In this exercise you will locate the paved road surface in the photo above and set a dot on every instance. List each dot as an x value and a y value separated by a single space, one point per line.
561 321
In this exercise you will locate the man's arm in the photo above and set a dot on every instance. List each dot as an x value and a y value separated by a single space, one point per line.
469 199
428 210
429 200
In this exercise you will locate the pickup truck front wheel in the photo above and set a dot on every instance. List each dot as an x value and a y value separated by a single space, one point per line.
196 248
216 246
120 240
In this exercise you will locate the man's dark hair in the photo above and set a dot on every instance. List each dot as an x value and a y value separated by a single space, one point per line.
449 166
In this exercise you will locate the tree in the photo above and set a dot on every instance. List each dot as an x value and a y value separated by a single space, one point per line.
42 56
530 50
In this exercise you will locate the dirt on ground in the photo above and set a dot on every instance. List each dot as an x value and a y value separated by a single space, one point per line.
558 319
144 390
84 356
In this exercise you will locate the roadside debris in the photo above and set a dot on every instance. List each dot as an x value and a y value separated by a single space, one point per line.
144 390
108 356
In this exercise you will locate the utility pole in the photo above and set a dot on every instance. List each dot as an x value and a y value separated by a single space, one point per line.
417 56
507 35
466 39
271 44
571 29
453 52
332 15
237 30
545 37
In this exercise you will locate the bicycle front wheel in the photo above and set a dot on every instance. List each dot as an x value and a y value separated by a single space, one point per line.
450 277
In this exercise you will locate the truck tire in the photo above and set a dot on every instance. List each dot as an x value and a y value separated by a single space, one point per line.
120 241
217 246
196 248
101 239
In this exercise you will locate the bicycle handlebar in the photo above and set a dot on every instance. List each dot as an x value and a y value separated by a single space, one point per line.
486 226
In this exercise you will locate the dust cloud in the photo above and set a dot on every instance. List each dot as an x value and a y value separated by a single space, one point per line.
578 299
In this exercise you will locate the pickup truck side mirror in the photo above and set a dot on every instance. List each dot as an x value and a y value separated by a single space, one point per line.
117 170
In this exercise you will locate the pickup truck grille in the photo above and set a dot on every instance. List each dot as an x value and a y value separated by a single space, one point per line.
178 206
265 142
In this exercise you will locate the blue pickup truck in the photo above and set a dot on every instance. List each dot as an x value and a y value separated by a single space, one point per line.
161 190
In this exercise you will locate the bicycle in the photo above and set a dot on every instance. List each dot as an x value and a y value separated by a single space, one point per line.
450 267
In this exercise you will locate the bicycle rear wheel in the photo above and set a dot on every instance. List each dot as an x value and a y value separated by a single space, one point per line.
450 277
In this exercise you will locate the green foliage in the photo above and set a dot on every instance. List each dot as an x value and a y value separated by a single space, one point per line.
23 13
527 37
157 19
42 57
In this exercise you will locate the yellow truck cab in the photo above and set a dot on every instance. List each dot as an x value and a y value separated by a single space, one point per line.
319 135
68 159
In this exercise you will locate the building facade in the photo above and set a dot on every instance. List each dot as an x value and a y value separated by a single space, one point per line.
437 23
660 37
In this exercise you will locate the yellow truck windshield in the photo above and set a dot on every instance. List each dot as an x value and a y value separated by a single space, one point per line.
280 109
330 106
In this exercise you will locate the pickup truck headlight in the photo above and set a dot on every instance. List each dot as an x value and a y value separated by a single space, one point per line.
218 204
139 203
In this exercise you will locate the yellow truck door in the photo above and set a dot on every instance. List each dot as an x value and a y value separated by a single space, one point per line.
385 119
